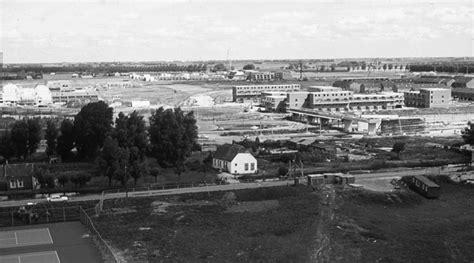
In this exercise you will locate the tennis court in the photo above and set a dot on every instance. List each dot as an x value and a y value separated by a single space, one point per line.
52 243
37 257
27 237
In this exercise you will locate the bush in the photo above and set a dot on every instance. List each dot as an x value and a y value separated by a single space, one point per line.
282 171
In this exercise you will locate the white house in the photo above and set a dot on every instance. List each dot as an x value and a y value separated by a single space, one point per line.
234 159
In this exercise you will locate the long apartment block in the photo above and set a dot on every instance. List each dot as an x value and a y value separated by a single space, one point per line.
325 98
254 92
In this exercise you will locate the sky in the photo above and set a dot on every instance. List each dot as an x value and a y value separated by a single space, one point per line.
122 30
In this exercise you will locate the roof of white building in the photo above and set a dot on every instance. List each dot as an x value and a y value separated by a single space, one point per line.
227 152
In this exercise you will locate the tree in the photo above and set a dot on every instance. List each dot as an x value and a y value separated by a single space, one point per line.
113 161
65 141
249 67
130 131
44 178
83 178
155 171
63 179
19 137
219 67
92 125
172 136
398 147
282 171
7 149
130 135
51 137
34 135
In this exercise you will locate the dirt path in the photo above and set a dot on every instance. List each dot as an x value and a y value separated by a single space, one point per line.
323 243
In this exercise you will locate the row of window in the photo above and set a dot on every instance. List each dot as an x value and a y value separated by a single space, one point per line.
267 87
355 108
16 183
246 166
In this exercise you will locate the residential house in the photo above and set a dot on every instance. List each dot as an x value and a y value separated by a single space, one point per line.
17 177
234 159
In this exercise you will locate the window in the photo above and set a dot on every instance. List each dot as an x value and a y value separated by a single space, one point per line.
246 167
19 183
12 184
252 166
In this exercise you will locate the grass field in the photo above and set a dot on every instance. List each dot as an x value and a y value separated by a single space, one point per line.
284 225
262 225
373 227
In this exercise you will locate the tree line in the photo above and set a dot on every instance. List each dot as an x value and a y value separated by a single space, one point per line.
162 67
119 146
444 67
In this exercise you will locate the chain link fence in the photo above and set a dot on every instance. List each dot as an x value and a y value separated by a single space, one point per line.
28 216
107 255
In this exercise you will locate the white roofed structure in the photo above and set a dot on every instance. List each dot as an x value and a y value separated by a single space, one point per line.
43 95
10 93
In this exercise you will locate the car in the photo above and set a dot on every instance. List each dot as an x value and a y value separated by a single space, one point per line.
57 198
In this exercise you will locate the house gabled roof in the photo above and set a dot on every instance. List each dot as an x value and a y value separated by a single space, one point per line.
227 152
16 170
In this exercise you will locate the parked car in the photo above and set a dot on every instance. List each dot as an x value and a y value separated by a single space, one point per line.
57 198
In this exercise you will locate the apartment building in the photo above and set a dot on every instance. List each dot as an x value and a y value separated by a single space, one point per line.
253 92
331 99
273 100
428 98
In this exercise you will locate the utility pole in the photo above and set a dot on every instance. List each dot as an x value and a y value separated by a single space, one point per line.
301 70
228 60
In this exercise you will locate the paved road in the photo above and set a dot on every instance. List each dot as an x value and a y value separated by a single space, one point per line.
362 176
212 188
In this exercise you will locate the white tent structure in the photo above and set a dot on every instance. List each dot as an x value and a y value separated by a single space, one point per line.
10 93
43 95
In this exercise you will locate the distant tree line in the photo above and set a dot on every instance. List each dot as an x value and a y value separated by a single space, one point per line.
444 67
36 70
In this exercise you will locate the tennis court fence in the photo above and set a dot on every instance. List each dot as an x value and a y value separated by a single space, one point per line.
107 255
28 216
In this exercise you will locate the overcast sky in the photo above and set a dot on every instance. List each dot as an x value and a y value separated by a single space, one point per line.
82 31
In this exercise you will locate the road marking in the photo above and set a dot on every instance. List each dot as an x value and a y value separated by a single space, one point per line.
57 256
33 255
50 237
